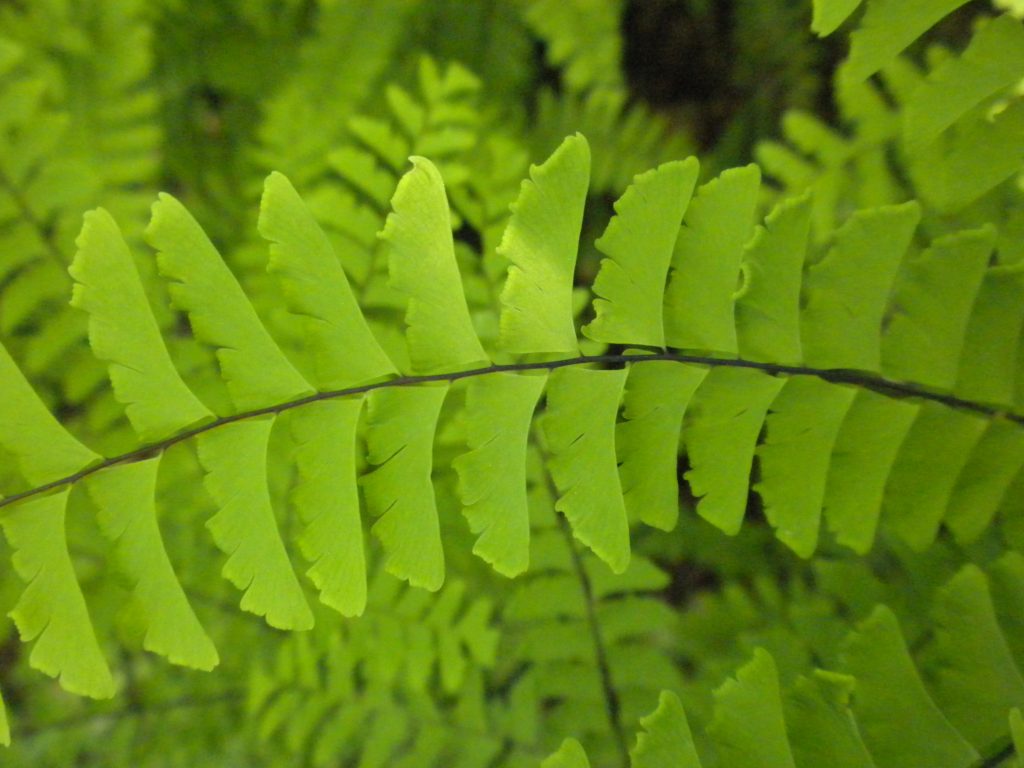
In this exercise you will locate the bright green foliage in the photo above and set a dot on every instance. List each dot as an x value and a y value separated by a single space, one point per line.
923 477
541 242
977 680
838 719
126 511
666 739
399 491
41 447
748 728
245 528
421 262
326 497
722 425
819 724
865 449
579 428
256 372
802 427
924 337
849 289
343 349
492 475
653 405
582 38
843 378
569 755
639 243
829 14
992 62
887 28
768 305
124 334
706 263
984 481
51 610
888 683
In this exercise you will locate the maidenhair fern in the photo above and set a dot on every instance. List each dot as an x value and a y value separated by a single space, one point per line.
406 344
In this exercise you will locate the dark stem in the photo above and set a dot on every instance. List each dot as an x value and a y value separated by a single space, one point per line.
861 379
611 696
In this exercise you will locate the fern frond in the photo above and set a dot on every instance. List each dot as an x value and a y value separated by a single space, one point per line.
52 610
541 243
78 131
887 28
626 139
844 718
582 39
420 703
837 341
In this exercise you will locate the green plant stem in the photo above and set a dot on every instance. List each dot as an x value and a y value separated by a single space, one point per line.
836 376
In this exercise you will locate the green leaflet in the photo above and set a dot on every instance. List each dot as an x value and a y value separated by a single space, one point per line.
639 241
976 681
985 480
579 434
848 290
865 450
802 427
993 61
829 14
988 362
666 739
889 26
569 755
326 497
722 425
343 348
124 333
964 164
1006 582
125 497
748 728
887 683
821 727
581 39
647 439
937 289
422 266
922 342
768 306
700 297
399 491
492 474
245 528
925 471
51 609
43 448
924 476
541 242
1017 732
256 371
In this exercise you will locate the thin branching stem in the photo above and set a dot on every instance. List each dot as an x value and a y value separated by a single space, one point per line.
862 379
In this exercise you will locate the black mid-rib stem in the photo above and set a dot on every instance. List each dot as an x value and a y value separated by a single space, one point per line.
864 380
